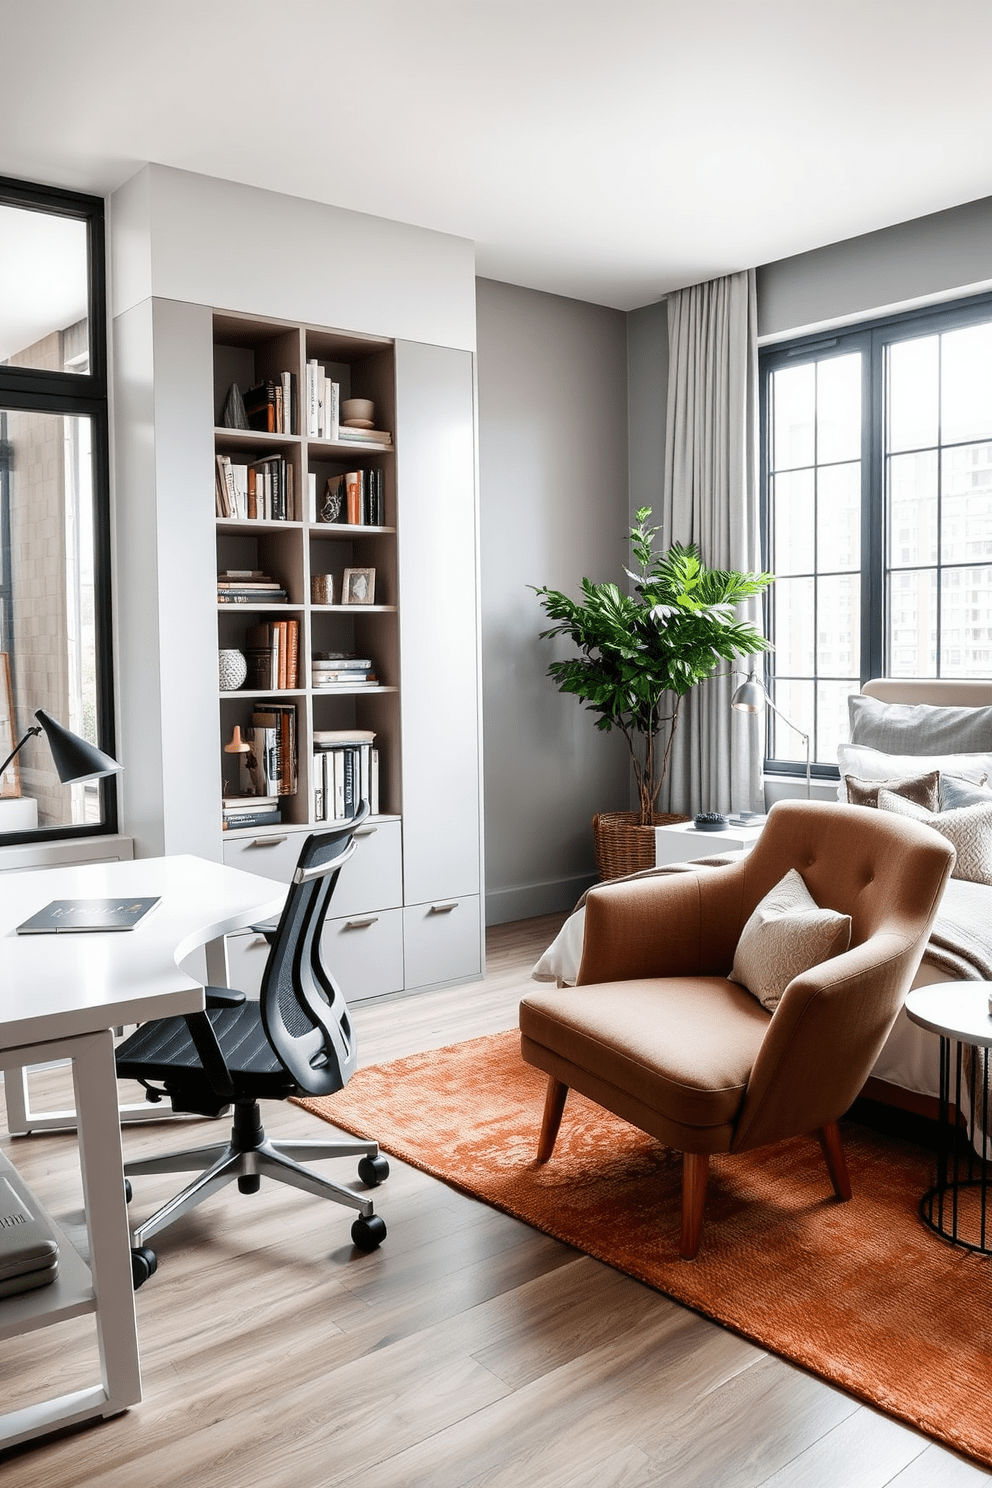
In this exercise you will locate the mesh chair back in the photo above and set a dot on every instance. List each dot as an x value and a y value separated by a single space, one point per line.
304 1013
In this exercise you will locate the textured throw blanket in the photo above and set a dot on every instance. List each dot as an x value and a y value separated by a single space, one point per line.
960 942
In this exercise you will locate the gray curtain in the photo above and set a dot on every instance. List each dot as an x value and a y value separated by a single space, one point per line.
711 499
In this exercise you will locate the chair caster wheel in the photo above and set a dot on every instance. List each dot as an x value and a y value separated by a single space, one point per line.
373 1171
127 1190
144 1263
368 1234
250 1183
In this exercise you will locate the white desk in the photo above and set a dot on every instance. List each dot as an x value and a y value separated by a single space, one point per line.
60 997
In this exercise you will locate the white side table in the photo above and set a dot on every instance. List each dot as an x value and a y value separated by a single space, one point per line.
957 1206
682 842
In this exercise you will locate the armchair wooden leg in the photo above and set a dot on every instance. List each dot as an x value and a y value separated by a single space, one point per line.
695 1170
833 1151
554 1105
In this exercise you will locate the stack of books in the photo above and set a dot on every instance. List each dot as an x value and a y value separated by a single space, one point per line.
345 773
249 586
250 811
364 436
272 652
330 671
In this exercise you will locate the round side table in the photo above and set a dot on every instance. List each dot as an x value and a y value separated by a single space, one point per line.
957 1206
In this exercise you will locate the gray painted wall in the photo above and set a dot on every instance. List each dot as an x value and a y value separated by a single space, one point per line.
928 258
554 497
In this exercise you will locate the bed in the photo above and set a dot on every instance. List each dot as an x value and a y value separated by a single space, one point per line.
898 720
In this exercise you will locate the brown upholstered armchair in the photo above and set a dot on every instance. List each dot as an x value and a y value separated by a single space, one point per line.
655 1032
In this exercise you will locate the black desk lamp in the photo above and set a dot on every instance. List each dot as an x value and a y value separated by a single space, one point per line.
75 760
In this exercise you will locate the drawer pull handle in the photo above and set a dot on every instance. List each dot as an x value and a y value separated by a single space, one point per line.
267 841
361 924
443 908
365 831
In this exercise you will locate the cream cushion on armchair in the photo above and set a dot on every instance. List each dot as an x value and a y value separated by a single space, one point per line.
657 1032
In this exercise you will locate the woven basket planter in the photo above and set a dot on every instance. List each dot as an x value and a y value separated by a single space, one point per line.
623 845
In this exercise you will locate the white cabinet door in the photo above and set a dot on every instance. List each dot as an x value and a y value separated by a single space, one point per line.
438 601
441 942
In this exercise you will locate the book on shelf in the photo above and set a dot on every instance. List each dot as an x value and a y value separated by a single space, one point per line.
270 765
323 403
233 587
269 406
348 435
266 817
269 490
344 775
327 738
354 499
272 651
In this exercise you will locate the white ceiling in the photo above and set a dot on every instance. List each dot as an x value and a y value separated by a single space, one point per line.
609 152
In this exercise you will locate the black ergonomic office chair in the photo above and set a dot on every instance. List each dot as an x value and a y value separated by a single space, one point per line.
297 1039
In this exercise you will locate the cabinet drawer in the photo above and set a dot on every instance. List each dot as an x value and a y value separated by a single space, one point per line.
442 941
373 879
272 854
364 953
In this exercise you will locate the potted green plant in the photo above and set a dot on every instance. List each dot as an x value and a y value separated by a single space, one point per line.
640 654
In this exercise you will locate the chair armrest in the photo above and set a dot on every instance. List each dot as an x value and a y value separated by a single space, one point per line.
824 1038
218 997
202 1033
679 924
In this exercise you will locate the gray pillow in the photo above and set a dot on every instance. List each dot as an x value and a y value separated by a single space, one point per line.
967 828
957 792
918 728
787 934
923 789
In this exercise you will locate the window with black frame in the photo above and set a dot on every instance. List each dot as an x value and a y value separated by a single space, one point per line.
877 485
54 507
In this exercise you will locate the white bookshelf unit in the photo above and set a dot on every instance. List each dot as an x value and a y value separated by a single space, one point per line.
407 912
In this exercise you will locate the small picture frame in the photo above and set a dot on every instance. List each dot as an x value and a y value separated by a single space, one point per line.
358 586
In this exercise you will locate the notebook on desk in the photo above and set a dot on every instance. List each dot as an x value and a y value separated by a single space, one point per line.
72 916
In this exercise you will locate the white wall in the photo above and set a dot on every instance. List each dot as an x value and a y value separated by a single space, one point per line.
553 463
180 236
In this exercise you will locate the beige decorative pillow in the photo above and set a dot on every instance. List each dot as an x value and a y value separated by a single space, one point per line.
967 828
923 789
787 934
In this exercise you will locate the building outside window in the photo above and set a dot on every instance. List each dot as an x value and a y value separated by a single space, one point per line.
54 505
877 488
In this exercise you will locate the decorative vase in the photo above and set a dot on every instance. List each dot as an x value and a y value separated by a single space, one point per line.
623 845
233 669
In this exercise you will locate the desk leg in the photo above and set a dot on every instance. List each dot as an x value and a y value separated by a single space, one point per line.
102 1166
215 953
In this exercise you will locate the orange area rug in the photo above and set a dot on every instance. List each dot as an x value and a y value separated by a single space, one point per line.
861 1293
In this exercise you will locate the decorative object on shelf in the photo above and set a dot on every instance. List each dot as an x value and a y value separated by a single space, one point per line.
235 415
333 499
233 668
358 413
236 745
358 586
752 697
674 631
322 589
710 821
75 759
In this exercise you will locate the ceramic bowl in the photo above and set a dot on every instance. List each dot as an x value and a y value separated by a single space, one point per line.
357 408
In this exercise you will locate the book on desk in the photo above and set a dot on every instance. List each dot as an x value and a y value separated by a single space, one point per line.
76 916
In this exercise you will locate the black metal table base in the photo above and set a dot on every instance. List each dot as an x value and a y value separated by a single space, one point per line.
957 1207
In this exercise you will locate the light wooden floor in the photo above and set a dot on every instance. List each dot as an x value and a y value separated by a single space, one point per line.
468 1351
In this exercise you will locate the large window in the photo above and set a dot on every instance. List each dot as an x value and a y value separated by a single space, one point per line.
54 515
877 481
